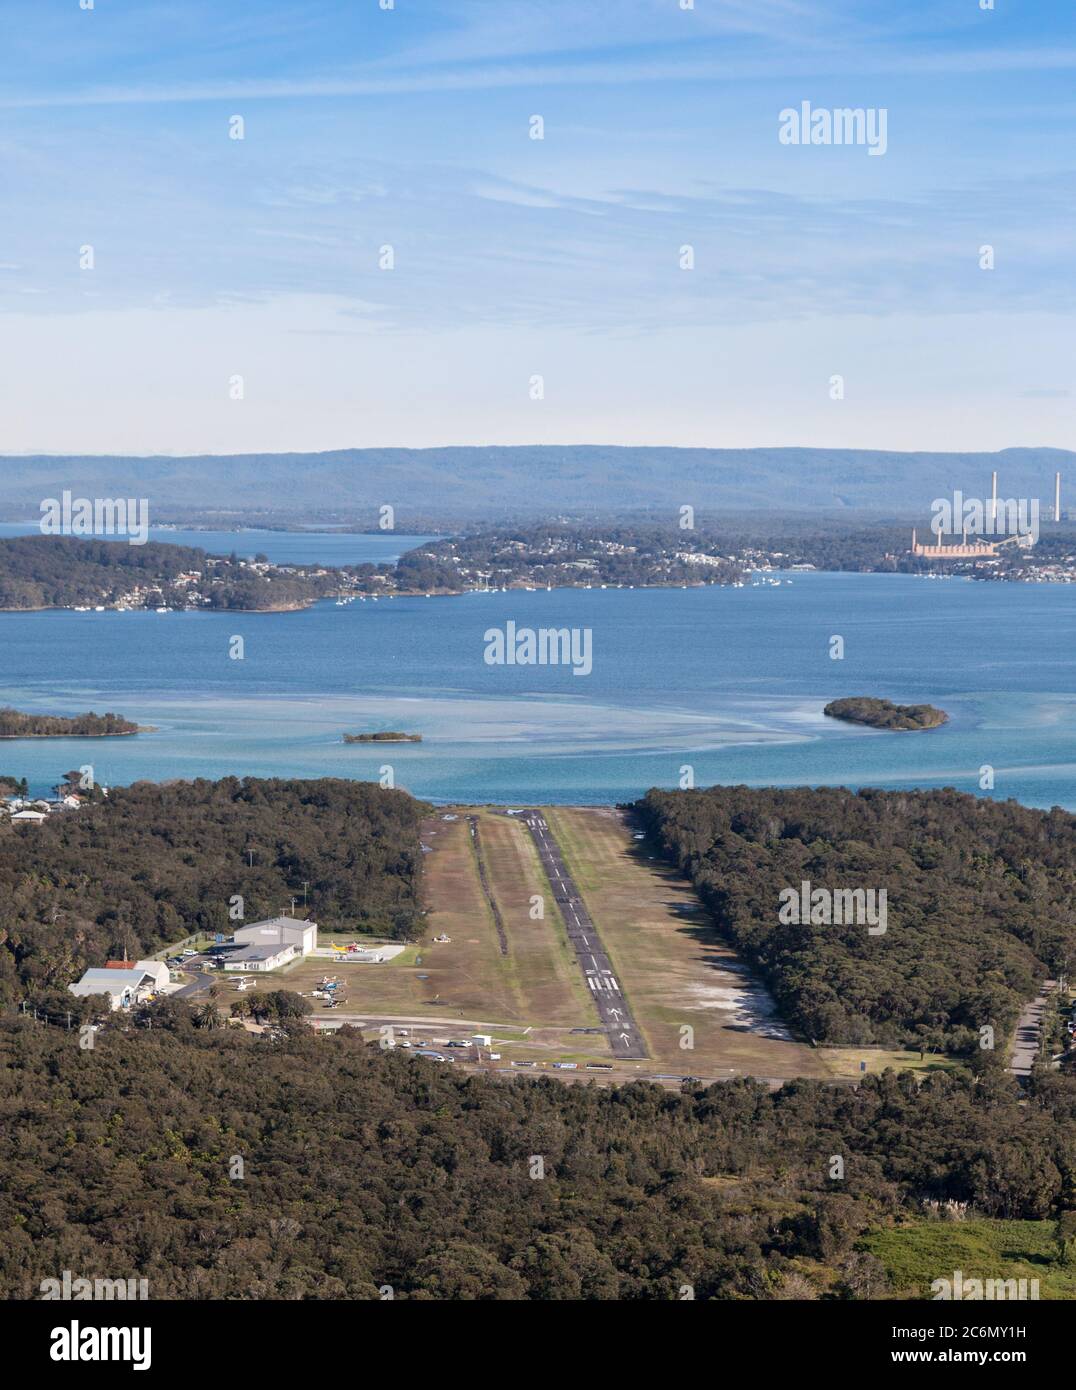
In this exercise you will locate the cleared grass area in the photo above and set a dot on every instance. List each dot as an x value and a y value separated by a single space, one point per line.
670 963
301 976
466 977
916 1255
845 1061
540 958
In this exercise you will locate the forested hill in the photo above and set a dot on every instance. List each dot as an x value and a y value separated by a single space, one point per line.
366 1168
979 894
153 864
496 482
68 572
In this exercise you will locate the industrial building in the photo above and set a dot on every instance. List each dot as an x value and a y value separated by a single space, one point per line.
278 931
269 957
124 984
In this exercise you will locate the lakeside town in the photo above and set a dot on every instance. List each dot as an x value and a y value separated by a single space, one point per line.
38 572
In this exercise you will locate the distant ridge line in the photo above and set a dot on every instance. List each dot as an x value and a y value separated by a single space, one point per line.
536 479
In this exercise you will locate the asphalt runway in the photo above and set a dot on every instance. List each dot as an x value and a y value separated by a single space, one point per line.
625 1040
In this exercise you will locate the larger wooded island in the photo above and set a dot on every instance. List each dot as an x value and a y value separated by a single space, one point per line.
15 724
883 714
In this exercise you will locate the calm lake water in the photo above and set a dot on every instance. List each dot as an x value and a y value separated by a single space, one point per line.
282 547
729 681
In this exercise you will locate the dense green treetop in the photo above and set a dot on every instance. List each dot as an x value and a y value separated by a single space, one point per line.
364 1169
979 892
153 864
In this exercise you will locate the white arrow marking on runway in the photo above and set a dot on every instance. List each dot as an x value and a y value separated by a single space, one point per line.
624 1037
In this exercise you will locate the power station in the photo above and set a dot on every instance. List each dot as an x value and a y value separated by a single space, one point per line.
980 548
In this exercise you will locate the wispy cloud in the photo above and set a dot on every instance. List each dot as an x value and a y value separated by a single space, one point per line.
828 62
409 127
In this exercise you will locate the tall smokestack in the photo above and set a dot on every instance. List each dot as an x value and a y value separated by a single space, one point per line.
1057 496
994 501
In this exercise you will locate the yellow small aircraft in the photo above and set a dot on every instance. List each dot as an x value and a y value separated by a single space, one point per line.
342 949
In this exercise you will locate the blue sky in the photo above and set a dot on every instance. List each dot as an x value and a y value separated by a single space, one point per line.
216 258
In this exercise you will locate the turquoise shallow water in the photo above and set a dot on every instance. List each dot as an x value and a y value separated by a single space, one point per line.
728 681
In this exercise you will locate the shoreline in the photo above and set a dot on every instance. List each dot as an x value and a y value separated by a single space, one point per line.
516 588
66 608
396 593
119 733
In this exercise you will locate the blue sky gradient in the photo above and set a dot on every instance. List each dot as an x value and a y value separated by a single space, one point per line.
216 258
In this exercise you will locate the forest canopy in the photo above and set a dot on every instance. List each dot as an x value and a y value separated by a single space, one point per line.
154 864
69 572
15 724
365 1168
980 903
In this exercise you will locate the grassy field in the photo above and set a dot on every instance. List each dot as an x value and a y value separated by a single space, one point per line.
915 1255
550 985
845 1061
672 967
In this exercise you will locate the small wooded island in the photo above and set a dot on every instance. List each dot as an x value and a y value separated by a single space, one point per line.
385 737
15 724
883 714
